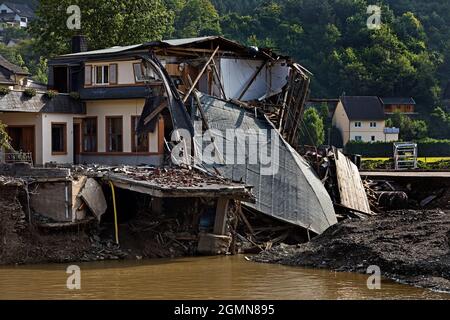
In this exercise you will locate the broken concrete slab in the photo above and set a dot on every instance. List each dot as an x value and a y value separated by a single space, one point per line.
94 197
212 244
78 205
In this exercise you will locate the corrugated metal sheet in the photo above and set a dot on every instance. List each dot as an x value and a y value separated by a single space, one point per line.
16 101
294 193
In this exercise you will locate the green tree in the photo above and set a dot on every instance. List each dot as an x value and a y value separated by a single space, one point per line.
41 74
441 124
105 23
4 137
311 132
410 130
197 18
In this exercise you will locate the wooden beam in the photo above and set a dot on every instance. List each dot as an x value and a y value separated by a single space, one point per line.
200 75
219 79
258 71
220 222
155 112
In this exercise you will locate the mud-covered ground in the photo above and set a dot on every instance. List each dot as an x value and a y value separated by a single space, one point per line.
24 243
411 246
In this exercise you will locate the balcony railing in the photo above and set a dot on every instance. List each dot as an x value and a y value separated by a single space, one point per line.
391 130
16 157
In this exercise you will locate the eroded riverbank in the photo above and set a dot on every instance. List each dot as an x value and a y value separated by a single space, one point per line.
222 277
412 246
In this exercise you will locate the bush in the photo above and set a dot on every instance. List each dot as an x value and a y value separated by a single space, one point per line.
29 92
4 91
426 148
74 95
51 94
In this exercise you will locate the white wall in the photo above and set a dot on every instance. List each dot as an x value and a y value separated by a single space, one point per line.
366 132
124 108
125 70
46 130
236 74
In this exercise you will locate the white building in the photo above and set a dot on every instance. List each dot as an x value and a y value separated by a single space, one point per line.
362 118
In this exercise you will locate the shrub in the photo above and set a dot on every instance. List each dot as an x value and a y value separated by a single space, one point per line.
30 92
74 95
51 94
4 91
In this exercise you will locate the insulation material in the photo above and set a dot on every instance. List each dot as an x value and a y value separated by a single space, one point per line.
237 73
92 194
291 192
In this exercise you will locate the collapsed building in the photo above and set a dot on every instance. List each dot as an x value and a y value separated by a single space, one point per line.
165 102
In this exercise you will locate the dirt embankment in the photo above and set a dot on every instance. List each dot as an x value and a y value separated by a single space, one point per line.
410 246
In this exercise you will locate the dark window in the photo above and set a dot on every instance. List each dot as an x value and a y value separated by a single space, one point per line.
373 138
60 79
138 143
59 138
102 74
90 135
114 134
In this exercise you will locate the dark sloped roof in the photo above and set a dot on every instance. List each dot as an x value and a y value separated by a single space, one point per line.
19 8
16 101
11 66
398 100
4 77
363 108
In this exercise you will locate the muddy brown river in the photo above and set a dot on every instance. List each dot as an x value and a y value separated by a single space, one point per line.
196 278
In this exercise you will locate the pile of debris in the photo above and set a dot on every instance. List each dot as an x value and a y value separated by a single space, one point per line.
408 245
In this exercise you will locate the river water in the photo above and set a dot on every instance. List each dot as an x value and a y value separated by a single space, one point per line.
196 278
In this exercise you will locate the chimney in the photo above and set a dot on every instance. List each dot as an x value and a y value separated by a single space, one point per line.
79 44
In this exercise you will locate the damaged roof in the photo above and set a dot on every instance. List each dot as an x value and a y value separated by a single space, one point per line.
200 42
17 101
292 192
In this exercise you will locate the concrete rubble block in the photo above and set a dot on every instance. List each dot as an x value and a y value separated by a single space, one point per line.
211 244
78 205
94 197
52 200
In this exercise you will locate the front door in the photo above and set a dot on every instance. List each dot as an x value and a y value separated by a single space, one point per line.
22 139
76 142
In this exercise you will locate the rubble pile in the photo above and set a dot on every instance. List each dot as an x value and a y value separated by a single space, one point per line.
408 245
171 177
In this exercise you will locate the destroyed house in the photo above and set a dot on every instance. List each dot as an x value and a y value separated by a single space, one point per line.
104 94
130 99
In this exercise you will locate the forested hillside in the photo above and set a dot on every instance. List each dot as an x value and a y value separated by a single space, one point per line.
408 56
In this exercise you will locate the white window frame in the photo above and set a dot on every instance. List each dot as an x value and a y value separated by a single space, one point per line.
373 138
358 138
358 124
373 124
102 83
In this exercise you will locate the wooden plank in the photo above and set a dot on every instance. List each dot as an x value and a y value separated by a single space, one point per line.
220 222
351 189
200 75
253 78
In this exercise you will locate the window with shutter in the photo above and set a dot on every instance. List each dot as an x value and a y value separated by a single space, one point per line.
113 73
88 75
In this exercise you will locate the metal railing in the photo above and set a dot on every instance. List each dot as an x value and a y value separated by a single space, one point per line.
16 157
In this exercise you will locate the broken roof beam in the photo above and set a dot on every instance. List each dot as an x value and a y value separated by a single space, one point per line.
253 78
200 75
